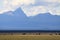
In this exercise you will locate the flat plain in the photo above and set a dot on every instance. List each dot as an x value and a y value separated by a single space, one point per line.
29 37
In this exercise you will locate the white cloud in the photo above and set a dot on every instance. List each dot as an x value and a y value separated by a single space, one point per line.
55 11
31 7
35 10
43 6
11 5
52 1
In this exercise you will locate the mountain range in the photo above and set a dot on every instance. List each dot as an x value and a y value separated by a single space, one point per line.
17 20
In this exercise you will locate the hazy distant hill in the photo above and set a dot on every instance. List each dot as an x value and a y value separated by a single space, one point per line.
18 20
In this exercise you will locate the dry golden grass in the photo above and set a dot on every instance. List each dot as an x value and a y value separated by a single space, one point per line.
29 37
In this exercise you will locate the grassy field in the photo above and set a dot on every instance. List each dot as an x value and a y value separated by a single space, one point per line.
29 37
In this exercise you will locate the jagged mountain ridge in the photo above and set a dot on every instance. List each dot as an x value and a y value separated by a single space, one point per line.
17 20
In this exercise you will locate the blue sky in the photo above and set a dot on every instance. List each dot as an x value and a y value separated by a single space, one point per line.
31 7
